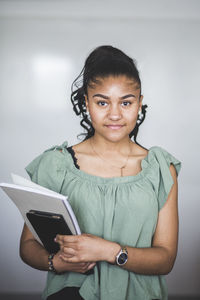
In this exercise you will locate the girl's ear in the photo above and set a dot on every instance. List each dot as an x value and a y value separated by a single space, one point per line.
140 102
86 102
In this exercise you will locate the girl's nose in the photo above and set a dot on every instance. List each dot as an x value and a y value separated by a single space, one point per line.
114 113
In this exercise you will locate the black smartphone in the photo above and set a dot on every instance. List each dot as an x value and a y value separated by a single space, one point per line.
47 225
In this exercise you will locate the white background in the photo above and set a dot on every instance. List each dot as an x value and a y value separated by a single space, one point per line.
43 45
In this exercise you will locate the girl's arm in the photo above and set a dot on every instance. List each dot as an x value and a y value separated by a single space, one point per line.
36 256
159 259
31 252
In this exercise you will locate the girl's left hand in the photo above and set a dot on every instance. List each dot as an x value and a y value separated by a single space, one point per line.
85 248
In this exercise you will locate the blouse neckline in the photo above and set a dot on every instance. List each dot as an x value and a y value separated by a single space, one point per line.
108 180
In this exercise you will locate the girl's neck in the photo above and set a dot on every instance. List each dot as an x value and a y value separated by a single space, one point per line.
104 146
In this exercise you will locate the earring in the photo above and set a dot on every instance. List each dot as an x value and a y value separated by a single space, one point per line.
140 115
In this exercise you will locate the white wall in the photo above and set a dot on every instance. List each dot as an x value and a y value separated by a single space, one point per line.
43 45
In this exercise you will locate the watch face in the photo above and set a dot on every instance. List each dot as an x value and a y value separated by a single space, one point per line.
122 258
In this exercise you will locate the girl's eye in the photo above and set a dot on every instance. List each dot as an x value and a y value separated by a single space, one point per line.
126 103
101 103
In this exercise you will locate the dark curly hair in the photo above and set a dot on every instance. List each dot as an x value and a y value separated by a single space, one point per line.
102 62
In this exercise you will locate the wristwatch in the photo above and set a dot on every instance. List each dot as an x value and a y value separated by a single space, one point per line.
122 256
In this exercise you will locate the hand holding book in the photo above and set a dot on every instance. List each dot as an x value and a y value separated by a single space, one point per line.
45 212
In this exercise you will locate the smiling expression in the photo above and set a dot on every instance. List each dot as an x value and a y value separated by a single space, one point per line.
113 104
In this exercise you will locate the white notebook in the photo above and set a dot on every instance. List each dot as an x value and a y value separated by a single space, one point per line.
28 195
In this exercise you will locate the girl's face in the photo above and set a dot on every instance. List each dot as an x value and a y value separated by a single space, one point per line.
113 104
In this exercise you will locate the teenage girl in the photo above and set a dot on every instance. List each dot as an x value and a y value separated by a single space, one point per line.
123 195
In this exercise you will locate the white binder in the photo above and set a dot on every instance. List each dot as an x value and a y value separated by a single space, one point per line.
28 195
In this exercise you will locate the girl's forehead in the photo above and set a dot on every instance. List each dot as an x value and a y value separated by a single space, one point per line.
120 80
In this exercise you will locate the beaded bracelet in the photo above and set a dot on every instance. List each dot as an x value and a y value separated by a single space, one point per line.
50 263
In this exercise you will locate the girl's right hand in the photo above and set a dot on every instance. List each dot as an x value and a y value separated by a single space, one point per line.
62 266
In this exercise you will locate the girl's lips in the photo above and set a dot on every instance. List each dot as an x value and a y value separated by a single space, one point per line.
114 126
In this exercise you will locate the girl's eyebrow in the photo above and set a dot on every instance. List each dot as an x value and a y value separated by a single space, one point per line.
127 96
106 97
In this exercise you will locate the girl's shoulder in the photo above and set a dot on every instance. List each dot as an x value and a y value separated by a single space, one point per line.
49 167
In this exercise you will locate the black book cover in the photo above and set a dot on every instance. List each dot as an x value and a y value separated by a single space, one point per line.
48 225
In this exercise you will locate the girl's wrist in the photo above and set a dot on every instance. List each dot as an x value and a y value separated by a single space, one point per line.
53 264
51 267
111 252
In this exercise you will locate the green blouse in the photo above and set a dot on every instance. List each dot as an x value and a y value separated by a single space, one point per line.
121 209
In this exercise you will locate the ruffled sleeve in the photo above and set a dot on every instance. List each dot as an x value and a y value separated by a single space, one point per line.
49 168
164 180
